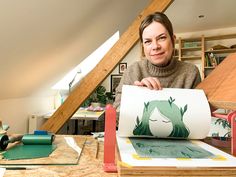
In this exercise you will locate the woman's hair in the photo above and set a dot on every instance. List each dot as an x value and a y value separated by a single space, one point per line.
160 18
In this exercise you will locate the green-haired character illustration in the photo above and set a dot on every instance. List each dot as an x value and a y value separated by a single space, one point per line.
162 118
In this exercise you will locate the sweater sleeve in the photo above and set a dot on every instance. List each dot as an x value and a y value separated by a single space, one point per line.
197 79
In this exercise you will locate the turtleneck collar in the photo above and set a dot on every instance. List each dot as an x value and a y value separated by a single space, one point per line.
162 70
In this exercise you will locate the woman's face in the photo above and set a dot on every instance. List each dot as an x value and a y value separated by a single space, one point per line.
157 44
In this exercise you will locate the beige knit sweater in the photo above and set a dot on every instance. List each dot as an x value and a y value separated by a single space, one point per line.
176 75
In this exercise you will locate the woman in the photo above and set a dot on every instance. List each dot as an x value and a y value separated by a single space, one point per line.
158 69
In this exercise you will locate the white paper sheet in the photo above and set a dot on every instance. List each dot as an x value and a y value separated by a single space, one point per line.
2 171
71 142
164 113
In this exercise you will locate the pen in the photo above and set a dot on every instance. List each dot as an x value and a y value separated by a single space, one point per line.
16 168
97 149
20 167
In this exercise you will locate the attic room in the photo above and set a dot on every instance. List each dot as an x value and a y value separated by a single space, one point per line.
44 41
108 88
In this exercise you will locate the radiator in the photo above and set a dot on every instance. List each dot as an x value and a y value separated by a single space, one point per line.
35 121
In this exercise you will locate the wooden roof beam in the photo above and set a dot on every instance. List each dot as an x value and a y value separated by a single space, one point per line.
102 70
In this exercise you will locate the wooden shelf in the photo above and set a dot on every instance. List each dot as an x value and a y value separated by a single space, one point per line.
191 48
190 57
192 39
194 49
219 54
220 37
221 51
209 67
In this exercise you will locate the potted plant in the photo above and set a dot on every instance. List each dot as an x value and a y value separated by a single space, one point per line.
99 98
225 140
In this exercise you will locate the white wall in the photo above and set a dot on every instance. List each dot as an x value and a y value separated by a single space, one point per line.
132 56
15 112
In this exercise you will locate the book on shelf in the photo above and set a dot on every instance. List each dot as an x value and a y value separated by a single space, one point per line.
212 60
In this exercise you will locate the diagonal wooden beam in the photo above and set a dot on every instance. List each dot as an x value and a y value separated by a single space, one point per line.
102 70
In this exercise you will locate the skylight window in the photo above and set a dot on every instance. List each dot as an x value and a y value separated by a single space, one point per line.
81 70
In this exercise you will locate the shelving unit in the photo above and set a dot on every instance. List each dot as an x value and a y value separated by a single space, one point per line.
194 50
218 54
191 50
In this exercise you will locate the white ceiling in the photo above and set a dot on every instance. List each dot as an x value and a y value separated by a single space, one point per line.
218 14
42 40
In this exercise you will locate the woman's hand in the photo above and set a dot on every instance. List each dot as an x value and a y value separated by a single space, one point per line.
150 82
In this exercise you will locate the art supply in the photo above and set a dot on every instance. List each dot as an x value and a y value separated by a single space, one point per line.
62 155
5 140
97 149
28 139
166 113
71 142
32 139
29 151
3 128
40 132
109 140
2 171
33 146
179 118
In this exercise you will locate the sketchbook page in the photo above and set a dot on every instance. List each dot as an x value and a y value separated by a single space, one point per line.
167 113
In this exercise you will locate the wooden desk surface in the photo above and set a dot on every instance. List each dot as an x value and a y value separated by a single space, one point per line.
81 114
88 165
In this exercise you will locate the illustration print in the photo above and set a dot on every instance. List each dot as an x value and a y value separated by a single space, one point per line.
162 114
163 148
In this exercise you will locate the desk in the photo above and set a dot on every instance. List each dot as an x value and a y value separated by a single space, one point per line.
88 165
82 114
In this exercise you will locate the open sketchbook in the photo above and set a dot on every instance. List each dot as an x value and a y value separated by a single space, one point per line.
163 129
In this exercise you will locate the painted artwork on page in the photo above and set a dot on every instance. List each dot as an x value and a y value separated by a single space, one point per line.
167 113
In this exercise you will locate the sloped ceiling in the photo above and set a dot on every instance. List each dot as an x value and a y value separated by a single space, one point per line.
40 41
43 40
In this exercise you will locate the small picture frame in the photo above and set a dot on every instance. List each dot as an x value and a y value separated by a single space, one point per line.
115 80
122 67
